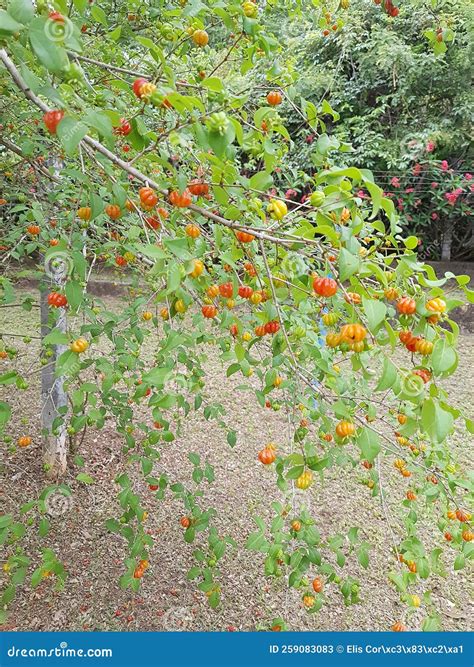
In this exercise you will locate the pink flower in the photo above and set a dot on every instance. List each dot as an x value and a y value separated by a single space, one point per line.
304 198
408 190
395 181
400 204
361 194
451 197
434 184
434 216
468 177
417 169
310 138
272 192
290 194
430 146
444 165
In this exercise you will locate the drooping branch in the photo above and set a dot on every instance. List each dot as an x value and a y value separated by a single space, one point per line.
140 176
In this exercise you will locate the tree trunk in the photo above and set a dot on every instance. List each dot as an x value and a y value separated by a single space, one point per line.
447 242
54 397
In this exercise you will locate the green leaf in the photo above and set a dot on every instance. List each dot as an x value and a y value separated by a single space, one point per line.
98 14
375 311
43 527
100 121
74 294
56 337
376 195
8 23
194 458
261 181
423 567
193 573
21 10
460 562
114 35
84 478
411 242
71 132
174 277
348 264
436 422
178 247
50 53
444 358
214 599
369 444
113 526
431 624
256 542
363 557
5 413
213 83
389 375
232 438
9 592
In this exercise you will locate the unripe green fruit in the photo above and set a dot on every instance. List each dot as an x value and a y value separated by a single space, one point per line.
218 122
73 73
317 198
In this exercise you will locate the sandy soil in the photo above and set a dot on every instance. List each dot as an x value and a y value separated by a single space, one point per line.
92 598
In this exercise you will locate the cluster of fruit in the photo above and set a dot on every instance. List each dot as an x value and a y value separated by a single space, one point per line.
416 343
401 466
463 517
350 337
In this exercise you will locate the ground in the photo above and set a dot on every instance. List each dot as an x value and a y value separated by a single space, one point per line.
92 598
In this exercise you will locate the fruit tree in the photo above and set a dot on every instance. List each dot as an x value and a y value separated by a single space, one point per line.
144 138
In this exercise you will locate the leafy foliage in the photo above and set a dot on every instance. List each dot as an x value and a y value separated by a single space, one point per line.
176 184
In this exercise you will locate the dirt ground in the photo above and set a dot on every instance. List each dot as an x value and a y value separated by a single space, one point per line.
92 598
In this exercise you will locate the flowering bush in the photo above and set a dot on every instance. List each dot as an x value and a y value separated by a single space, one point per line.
435 201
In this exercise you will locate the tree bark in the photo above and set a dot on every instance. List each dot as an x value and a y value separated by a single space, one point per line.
54 398
447 243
